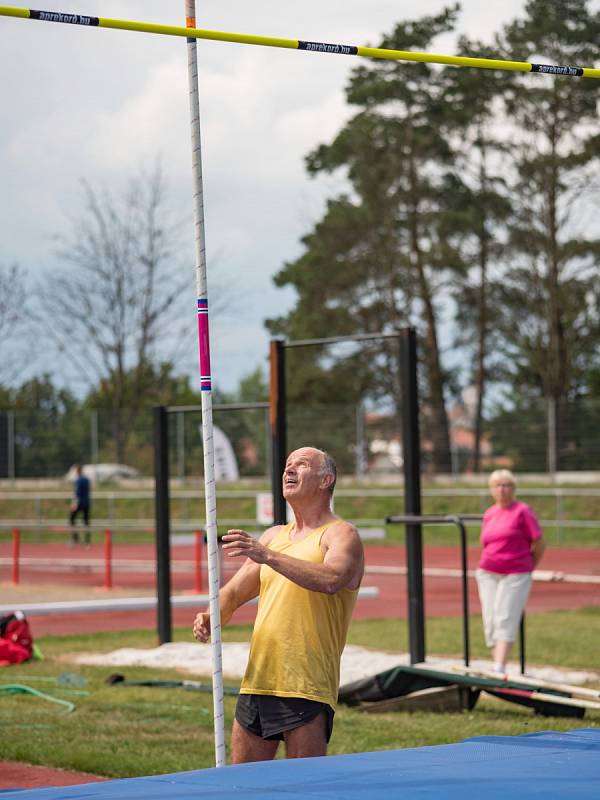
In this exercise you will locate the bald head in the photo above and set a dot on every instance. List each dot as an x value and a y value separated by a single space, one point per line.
321 462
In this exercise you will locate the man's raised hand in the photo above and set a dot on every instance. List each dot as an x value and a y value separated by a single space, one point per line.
201 627
237 542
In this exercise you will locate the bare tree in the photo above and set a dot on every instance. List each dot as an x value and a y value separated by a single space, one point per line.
114 305
14 340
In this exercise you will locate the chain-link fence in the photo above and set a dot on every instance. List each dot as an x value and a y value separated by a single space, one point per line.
39 444
45 444
364 440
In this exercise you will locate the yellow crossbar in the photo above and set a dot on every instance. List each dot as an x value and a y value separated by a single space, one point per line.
298 44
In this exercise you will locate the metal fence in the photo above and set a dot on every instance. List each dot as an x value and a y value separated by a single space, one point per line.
365 439
559 509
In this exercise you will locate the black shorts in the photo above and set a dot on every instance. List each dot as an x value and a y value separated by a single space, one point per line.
270 717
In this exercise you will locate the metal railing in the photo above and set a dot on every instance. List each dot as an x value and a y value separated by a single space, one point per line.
111 498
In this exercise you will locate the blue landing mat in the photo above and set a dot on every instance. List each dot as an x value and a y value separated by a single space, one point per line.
545 765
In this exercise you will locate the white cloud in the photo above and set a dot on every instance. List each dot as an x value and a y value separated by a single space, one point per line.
96 103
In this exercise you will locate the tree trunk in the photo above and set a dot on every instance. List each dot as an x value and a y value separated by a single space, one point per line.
551 455
480 370
556 383
442 459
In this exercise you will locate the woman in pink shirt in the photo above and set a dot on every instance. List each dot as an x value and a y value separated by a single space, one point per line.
512 547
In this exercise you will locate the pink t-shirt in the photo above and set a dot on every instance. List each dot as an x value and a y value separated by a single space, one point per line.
506 536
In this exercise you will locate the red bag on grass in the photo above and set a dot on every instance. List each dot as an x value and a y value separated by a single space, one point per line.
16 641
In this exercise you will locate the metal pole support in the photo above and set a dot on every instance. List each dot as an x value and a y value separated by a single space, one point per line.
278 425
412 492
163 554
522 644
465 585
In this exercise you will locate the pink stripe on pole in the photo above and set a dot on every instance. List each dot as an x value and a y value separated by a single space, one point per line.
205 378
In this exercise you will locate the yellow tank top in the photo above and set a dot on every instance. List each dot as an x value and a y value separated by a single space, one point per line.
299 634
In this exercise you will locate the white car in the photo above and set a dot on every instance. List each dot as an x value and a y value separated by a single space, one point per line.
103 473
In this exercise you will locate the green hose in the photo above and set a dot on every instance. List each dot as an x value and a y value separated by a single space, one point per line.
17 688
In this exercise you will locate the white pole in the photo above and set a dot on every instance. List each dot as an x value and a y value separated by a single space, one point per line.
206 393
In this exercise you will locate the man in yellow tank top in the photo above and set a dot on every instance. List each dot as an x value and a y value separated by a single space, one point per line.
306 575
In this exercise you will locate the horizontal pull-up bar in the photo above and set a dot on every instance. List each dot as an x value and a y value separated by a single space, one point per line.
357 337
445 519
220 407
297 44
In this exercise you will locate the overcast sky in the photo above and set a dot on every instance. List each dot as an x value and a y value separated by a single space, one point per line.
99 103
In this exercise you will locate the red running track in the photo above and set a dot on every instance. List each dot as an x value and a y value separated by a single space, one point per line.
442 594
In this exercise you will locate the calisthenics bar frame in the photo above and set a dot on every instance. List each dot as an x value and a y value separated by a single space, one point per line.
298 44
411 451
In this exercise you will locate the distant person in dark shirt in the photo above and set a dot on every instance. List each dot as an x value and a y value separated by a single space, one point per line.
80 505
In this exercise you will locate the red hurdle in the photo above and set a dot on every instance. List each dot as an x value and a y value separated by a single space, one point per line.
198 552
108 583
16 551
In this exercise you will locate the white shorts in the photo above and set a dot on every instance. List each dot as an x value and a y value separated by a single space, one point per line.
502 599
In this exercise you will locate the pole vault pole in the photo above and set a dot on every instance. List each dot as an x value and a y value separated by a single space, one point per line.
298 44
206 392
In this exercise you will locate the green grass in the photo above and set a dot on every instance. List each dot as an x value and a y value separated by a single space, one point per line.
121 731
561 638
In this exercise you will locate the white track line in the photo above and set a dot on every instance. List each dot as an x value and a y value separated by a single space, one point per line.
149 565
131 604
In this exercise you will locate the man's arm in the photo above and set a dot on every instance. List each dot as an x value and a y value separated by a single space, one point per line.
243 586
342 566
